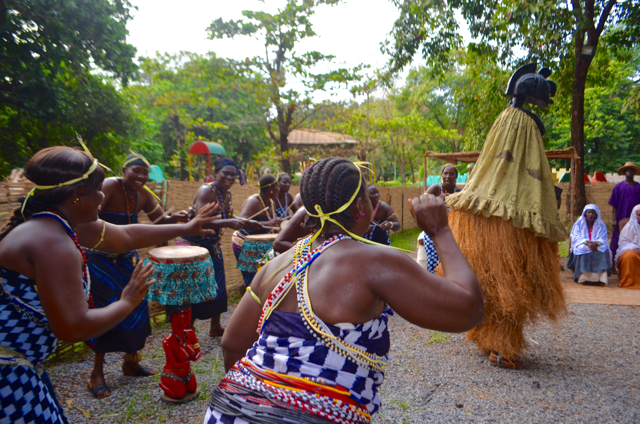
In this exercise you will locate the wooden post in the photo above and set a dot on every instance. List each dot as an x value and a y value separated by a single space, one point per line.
424 170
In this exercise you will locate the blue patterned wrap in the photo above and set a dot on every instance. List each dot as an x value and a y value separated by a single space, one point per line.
26 394
182 283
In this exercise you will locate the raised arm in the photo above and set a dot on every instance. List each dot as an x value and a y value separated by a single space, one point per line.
451 303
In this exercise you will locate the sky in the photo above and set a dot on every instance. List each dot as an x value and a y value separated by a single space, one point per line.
351 31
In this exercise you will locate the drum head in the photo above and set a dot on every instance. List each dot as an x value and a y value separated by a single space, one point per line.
171 254
261 237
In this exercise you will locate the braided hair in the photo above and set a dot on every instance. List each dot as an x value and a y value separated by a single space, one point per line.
52 166
330 183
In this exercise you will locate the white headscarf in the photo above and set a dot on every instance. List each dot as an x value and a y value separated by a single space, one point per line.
630 236
580 233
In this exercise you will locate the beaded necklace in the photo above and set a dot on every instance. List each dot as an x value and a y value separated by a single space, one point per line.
269 216
179 339
86 279
126 195
299 275
221 200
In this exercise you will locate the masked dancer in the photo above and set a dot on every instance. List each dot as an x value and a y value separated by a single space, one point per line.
507 224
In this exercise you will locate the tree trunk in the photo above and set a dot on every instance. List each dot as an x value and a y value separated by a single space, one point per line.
284 150
577 128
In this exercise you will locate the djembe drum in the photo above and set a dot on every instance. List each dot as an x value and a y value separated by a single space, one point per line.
253 250
184 275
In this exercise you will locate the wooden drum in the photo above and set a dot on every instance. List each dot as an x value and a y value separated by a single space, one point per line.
184 275
254 248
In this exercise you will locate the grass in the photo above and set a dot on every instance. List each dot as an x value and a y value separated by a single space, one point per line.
406 239
563 247
438 337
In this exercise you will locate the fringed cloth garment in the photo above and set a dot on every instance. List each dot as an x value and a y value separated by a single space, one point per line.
211 242
507 225
26 341
110 274
628 258
589 266
282 211
302 369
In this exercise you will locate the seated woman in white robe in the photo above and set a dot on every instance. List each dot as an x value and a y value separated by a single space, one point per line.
590 257
628 254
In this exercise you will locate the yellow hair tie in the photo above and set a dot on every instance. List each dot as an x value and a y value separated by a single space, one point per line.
137 156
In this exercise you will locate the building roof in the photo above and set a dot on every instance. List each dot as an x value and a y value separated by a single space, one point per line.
308 137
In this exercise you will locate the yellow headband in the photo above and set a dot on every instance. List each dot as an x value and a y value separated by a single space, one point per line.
270 184
137 156
324 217
92 168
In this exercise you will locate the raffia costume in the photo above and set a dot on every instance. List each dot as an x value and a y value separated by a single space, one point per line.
507 226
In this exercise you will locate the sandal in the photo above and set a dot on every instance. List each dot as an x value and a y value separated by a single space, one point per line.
99 392
144 372
496 359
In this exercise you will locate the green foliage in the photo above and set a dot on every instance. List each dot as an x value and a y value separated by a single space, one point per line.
282 64
187 97
612 134
49 88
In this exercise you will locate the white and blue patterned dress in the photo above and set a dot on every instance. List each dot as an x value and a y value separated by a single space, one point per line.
289 349
26 394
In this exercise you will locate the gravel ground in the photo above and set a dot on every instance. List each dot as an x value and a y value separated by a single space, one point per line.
587 370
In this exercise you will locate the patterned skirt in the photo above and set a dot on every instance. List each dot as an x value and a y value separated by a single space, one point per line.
110 274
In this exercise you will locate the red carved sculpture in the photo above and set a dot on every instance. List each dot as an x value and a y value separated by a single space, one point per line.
180 348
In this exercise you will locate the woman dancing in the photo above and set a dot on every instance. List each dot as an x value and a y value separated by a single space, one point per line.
261 207
123 198
45 292
225 173
383 218
323 336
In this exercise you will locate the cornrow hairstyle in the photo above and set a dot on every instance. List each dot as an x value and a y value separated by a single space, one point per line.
282 175
265 182
330 183
52 166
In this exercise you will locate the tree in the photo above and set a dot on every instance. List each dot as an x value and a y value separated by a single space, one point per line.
558 34
281 64
49 50
188 97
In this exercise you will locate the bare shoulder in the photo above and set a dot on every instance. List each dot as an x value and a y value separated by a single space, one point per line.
434 189
110 184
386 207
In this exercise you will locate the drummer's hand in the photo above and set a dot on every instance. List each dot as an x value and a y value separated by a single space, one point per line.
430 213
182 216
204 216
139 284
236 224
251 225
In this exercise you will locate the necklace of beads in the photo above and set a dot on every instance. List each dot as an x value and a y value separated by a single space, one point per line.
317 327
301 258
269 215
225 214
86 279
